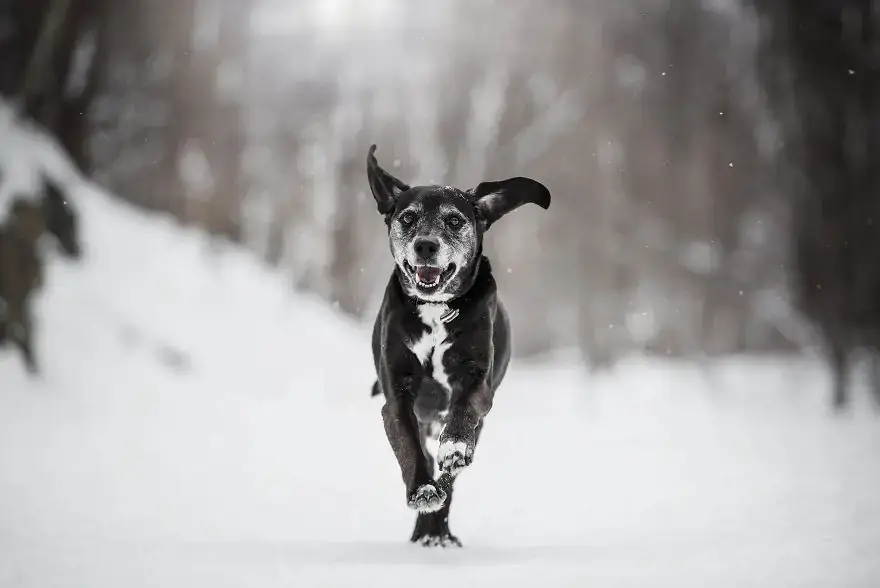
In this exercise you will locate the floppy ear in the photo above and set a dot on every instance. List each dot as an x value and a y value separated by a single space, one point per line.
493 200
385 187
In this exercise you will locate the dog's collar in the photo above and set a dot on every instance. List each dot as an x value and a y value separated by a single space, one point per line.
449 316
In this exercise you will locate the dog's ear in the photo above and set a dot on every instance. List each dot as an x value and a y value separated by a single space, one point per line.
492 200
385 187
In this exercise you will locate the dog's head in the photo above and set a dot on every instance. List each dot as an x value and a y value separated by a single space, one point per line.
436 232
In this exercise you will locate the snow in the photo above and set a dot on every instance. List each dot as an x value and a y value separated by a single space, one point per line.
198 424
26 154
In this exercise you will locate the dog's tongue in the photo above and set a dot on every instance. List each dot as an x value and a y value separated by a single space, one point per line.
428 274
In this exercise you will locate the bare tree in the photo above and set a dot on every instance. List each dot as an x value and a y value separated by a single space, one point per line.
831 158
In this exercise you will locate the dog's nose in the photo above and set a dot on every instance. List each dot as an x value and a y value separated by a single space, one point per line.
426 248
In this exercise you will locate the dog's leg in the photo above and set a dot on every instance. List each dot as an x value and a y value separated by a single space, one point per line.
432 529
459 438
422 492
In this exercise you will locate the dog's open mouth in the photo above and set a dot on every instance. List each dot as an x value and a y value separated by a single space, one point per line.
429 277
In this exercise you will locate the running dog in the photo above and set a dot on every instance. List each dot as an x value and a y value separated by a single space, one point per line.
441 340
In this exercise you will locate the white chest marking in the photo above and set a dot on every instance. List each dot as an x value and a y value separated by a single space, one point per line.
433 345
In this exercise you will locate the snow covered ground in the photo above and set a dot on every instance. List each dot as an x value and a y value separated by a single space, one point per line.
198 424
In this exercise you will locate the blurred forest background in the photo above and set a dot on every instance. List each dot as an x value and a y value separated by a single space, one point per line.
712 162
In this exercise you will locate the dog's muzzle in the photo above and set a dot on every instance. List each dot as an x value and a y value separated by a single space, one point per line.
429 277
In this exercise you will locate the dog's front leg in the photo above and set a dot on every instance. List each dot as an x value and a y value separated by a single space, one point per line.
422 492
459 438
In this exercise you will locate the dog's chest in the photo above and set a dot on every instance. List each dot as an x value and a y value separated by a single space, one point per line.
431 346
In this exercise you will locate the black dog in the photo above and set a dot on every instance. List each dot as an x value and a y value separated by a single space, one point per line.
441 342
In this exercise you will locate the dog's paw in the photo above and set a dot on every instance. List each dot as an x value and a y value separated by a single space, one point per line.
442 540
427 498
454 455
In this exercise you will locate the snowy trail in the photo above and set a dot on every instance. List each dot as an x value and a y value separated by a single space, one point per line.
152 484
194 429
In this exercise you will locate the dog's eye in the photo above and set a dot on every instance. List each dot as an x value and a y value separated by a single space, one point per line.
408 218
454 221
